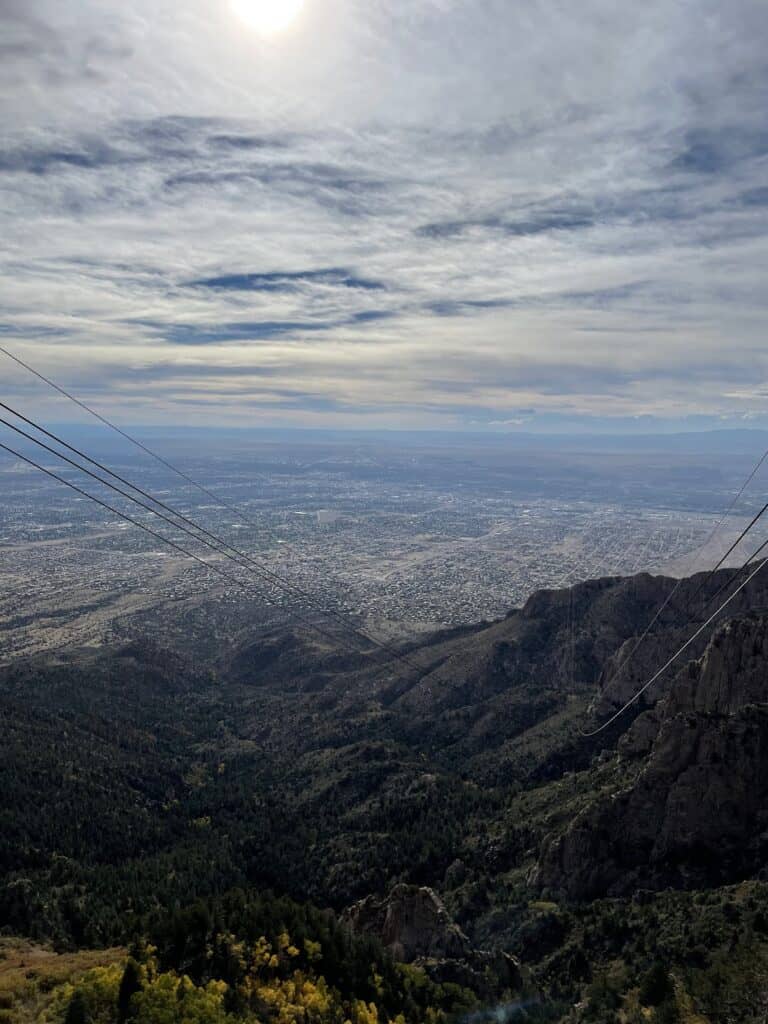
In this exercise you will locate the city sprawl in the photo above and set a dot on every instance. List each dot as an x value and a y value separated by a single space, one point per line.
376 534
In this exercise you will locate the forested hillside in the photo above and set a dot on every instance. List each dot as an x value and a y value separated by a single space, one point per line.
180 808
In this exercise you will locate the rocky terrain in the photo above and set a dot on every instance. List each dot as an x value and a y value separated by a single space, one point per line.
446 803
414 925
698 809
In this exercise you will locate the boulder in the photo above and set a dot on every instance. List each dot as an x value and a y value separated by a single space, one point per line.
414 925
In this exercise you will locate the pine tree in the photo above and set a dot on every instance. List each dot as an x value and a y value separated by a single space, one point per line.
77 1011
129 986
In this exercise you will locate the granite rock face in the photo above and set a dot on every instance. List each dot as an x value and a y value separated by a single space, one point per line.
697 811
413 924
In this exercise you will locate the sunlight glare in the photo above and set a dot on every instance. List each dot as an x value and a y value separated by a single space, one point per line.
267 16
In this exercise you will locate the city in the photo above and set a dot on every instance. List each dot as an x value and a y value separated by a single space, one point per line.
355 533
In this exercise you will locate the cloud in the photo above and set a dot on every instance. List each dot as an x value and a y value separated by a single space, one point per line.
709 152
407 211
548 222
465 307
257 330
93 155
287 281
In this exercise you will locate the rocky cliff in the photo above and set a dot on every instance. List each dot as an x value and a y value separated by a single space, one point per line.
414 925
697 810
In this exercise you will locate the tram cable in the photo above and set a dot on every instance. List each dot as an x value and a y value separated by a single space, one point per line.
253 564
219 501
654 678
165 540
679 583
731 549
215 545
730 581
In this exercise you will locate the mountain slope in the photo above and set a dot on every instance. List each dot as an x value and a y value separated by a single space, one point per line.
697 813
135 781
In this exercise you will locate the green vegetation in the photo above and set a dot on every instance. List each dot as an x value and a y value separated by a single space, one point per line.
200 971
135 787
162 794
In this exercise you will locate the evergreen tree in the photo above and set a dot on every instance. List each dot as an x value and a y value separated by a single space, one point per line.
77 1011
656 986
129 986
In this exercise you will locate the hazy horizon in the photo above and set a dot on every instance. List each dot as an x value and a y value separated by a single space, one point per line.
432 214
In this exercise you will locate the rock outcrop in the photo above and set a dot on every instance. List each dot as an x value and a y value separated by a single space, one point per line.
697 812
414 925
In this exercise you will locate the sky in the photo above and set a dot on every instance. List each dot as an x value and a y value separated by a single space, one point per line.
506 215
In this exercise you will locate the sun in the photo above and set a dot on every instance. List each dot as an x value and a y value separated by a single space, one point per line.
267 16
